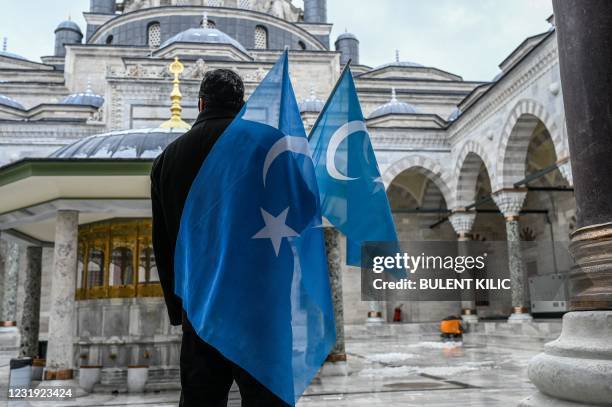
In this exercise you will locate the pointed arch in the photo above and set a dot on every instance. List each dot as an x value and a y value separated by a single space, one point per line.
514 143
467 168
426 166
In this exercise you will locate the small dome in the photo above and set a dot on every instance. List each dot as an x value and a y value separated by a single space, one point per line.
347 36
454 114
5 53
312 104
393 107
88 98
11 55
397 62
203 36
141 143
10 102
69 25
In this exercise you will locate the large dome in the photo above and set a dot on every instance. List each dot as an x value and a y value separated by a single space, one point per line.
203 36
7 101
142 143
393 107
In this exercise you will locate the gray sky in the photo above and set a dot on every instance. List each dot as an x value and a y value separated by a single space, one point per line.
466 37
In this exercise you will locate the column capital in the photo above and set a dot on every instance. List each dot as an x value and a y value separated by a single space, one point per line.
462 221
510 201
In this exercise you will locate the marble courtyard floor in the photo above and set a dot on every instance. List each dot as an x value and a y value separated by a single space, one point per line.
408 369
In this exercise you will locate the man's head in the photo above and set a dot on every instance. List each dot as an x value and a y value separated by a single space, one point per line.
221 89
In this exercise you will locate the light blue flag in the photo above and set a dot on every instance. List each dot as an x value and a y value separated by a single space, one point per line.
353 196
250 259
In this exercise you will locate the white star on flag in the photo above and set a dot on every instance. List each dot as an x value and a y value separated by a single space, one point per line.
276 229
380 185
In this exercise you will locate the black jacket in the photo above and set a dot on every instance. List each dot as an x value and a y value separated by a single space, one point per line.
171 177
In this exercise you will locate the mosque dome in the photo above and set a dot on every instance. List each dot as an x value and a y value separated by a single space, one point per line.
347 36
454 115
204 35
139 143
88 98
10 102
69 25
5 53
399 63
393 107
312 104
11 55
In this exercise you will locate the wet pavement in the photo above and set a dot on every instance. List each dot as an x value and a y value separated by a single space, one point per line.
397 370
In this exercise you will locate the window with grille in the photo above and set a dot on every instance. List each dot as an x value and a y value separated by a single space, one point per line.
245 4
154 35
214 3
261 37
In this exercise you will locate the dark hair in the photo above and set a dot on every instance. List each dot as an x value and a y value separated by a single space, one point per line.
222 88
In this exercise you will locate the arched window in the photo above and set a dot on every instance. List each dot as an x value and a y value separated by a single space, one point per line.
154 35
261 37
302 45
109 39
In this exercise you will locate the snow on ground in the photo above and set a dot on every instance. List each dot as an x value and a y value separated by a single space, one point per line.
437 345
391 357
443 371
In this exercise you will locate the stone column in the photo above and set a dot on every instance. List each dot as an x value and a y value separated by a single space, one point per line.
576 369
510 202
336 361
463 222
60 348
9 295
31 303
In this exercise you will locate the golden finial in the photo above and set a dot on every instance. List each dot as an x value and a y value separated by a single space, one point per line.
175 122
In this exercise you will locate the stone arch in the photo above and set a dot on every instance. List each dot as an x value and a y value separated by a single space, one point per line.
515 139
426 166
467 169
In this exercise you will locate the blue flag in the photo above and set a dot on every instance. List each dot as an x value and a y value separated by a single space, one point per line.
353 196
250 262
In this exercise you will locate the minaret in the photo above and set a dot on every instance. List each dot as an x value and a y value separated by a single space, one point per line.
315 11
175 122
348 46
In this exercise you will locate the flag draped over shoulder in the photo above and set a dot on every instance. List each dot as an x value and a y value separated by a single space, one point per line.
353 196
250 262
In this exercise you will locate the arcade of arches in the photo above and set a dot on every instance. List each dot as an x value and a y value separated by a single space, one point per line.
545 215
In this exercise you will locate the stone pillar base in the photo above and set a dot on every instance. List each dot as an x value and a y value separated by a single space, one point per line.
520 315
335 365
469 316
542 400
375 318
577 367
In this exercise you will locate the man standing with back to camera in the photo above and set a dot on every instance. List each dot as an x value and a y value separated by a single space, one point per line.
206 375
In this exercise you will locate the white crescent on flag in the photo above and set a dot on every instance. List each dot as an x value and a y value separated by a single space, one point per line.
294 144
334 142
